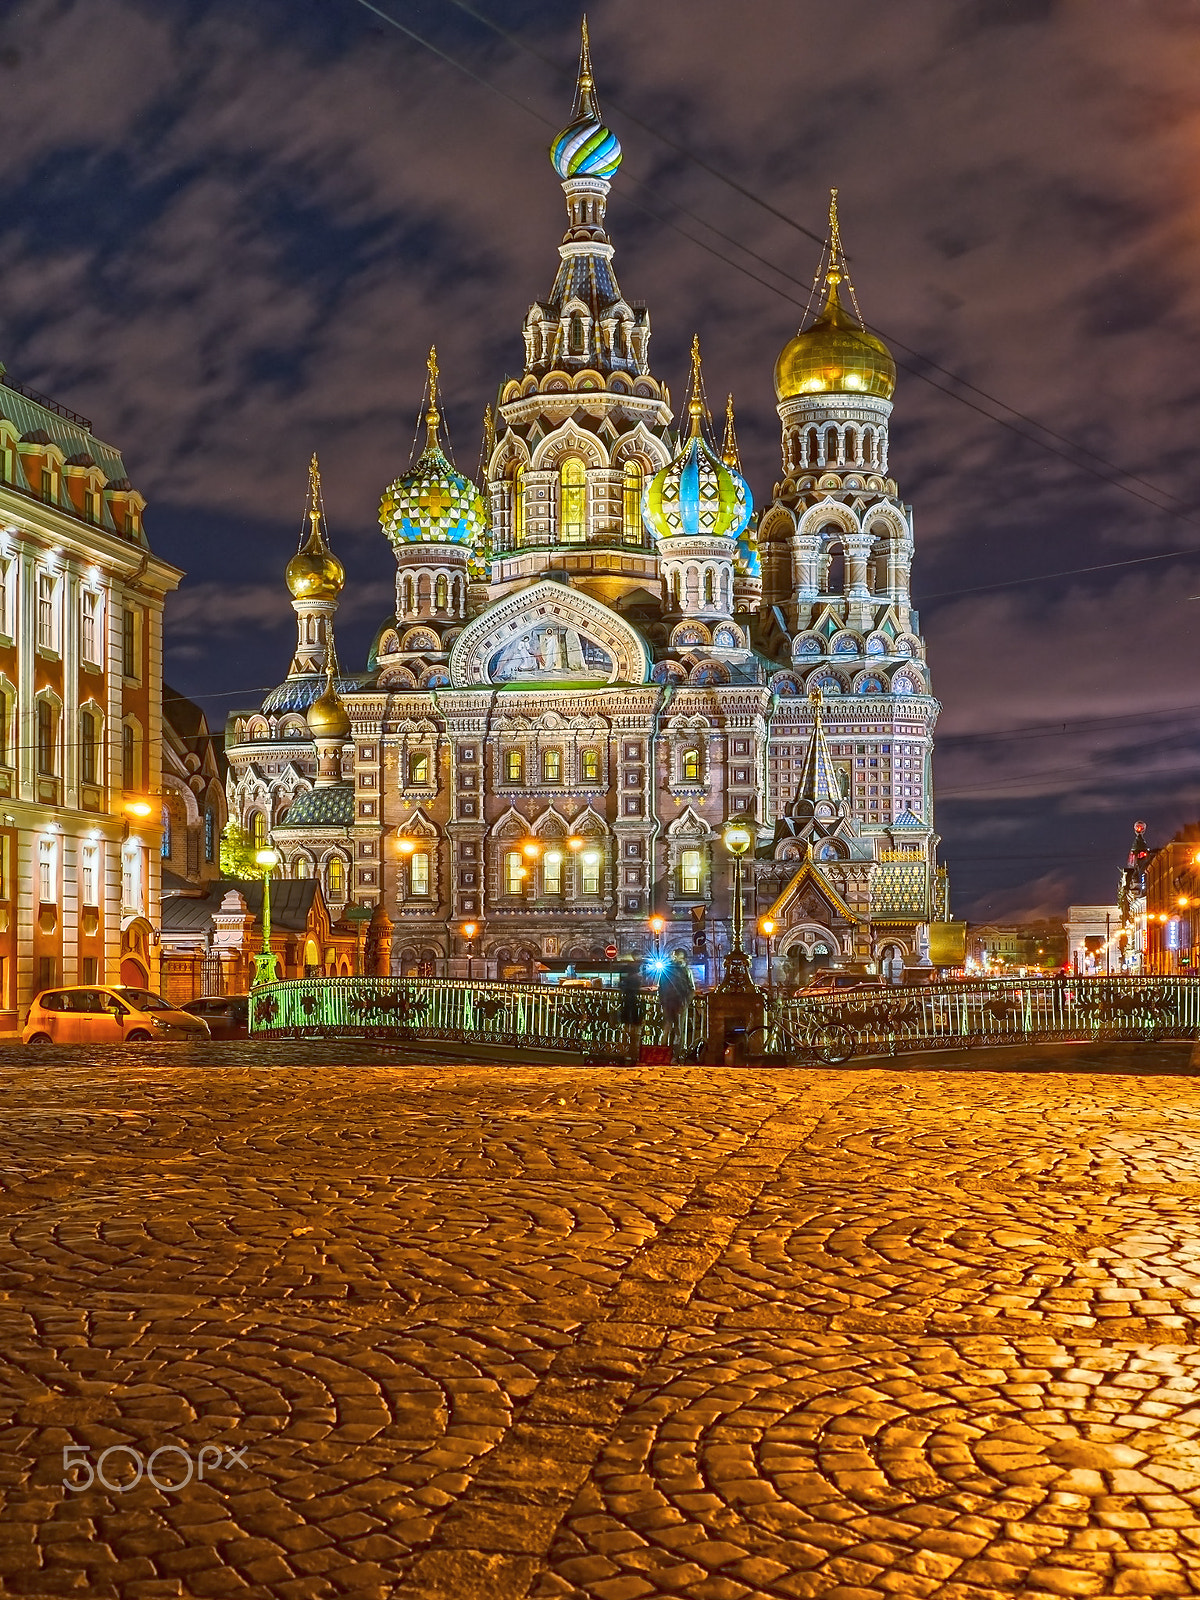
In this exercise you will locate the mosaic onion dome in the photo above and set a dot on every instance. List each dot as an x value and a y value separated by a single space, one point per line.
433 503
835 353
327 716
697 493
314 572
585 148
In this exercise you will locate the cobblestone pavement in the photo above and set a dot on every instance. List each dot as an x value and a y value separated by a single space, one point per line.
486 1332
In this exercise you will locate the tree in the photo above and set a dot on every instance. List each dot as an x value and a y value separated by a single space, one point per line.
237 853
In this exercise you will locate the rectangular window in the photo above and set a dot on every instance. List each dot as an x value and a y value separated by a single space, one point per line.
689 872
88 743
89 875
591 766
590 863
552 872
551 766
128 643
418 768
128 763
88 631
3 729
89 970
514 766
210 835
46 872
47 484
418 873
514 872
47 972
4 577
45 737
45 611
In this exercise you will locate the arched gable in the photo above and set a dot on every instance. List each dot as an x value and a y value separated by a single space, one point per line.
826 512
569 439
502 644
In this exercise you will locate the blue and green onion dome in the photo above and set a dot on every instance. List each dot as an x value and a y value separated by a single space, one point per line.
747 563
433 503
697 494
586 149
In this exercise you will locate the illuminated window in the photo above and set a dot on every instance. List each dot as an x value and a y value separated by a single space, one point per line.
418 873
514 766
689 872
591 872
418 769
88 631
631 504
45 737
46 871
89 875
572 501
689 766
518 504
301 868
164 848
551 766
441 593
4 597
514 872
552 872
210 835
45 611
258 830
591 766
335 878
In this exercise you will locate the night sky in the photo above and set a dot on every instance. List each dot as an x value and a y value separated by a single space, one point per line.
231 231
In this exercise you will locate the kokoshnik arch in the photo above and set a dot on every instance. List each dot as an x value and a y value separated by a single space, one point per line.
602 656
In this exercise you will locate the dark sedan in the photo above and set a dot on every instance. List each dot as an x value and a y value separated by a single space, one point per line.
227 1015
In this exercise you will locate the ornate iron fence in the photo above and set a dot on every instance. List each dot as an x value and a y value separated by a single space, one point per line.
531 1015
586 1021
1009 1011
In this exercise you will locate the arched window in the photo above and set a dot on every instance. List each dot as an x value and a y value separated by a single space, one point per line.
89 740
591 766
164 848
676 590
710 597
551 766
689 872
301 869
418 873
850 446
831 444
572 502
441 593
210 834
335 878
128 754
410 599
514 766
518 503
835 583
631 504
868 447
258 830
689 766
418 768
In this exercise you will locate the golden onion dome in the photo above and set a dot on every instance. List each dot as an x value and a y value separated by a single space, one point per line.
835 354
327 716
315 573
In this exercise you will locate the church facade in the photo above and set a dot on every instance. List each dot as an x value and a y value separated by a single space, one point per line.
603 653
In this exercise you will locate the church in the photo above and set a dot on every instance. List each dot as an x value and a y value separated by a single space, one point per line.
605 651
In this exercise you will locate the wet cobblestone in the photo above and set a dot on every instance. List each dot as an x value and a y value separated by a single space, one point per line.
598 1334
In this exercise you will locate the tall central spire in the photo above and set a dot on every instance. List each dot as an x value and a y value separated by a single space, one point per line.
432 415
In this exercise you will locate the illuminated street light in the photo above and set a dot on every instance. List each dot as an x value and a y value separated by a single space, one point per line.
138 808
469 930
767 925
737 836
264 961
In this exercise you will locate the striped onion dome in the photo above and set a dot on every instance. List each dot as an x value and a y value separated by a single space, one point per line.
585 148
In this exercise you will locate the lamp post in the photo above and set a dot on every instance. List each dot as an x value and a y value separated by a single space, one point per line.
657 924
737 837
768 929
264 961
469 930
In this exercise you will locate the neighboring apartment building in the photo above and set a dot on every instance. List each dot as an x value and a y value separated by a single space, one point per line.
81 601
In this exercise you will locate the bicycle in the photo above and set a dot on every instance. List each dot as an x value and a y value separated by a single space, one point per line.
826 1041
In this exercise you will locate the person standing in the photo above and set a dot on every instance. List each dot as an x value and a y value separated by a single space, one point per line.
675 988
629 986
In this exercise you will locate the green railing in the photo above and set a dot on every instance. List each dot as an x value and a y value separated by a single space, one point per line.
1008 1011
586 1021
529 1015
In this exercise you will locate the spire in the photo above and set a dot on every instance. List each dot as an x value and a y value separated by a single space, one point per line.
315 510
432 416
819 779
837 270
585 103
489 439
696 400
314 572
730 454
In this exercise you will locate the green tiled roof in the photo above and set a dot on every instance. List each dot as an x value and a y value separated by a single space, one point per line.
321 808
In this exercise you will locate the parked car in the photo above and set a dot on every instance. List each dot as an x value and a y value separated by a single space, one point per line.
84 1015
227 1015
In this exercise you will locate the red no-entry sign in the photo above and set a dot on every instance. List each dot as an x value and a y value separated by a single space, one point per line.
610 950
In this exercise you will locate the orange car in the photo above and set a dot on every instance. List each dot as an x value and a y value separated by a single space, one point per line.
85 1015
